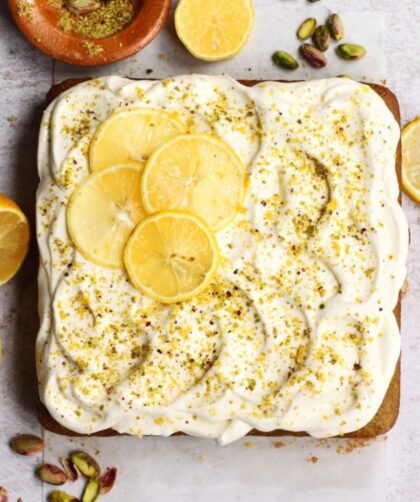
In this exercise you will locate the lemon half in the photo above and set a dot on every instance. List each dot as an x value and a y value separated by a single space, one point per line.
214 30
411 159
14 238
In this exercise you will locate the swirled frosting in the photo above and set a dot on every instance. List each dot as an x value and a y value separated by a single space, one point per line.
296 331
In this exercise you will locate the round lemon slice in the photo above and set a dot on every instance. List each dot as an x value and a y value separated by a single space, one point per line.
214 30
14 238
411 159
102 212
197 173
131 136
171 256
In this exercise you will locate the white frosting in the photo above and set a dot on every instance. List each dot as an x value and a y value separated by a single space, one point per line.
296 332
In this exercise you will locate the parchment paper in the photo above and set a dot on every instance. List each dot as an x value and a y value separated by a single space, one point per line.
275 29
253 469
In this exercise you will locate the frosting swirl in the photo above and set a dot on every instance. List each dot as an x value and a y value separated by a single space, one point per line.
296 331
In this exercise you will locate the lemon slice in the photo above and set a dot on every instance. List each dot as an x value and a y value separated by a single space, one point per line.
102 212
171 256
411 159
14 238
197 173
131 136
214 30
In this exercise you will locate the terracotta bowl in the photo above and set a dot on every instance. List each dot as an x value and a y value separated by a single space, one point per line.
38 21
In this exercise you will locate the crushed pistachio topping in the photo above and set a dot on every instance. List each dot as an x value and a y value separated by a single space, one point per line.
25 9
105 21
287 328
92 48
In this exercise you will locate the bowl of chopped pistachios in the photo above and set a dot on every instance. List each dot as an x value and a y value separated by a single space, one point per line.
90 32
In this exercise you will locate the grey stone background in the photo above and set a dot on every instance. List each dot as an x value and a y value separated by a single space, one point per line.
25 76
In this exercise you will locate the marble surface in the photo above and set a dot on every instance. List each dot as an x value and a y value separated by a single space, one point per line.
394 462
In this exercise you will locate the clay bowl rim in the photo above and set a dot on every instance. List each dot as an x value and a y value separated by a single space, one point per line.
74 49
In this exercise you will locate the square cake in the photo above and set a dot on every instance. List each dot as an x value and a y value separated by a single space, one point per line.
218 258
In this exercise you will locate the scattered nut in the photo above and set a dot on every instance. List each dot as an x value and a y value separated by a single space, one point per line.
57 496
336 26
82 6
52 474
344 75
69 469
26 444
306 29
321 38
86 464
91 492
4 494
351 52
285 60
107 480
313 56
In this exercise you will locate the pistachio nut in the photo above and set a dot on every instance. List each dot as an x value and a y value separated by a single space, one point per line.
57 496
306 29
82 6
107 480
313 56
86 464
321 38
52 474
344 75
351 52
91 492
313 1
285 60
336 26
4 494
69 469
27 444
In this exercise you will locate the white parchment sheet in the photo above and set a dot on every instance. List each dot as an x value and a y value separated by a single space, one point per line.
250 470
253 469
275 28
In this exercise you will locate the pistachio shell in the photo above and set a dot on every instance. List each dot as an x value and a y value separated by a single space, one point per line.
306 29
52 474
285 60
313 56
91 492
336 26
70 469
86 464
322 38
351 52
4 495
57 496
27 444
107 480
82 6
